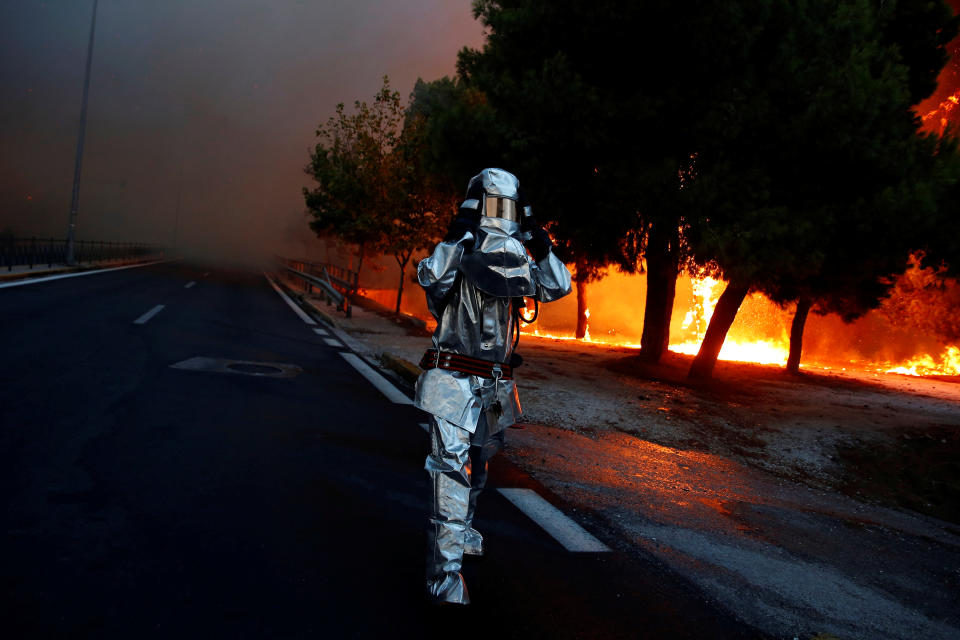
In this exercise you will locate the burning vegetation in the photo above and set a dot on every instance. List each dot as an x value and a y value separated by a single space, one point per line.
804 184
916 331
911 333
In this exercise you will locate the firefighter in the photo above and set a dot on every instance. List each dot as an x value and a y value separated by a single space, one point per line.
493 255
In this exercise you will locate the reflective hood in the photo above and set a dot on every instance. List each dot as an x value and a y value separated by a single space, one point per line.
496 182
498 264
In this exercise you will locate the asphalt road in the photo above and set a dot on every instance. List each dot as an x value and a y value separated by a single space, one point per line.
148 501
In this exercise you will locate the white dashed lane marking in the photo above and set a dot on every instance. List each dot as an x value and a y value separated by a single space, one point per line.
188 285
393 394
572 536
145 318
568 533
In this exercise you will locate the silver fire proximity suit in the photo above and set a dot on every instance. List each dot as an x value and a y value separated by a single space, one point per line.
471 281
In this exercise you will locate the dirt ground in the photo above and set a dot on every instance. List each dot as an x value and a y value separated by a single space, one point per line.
825 503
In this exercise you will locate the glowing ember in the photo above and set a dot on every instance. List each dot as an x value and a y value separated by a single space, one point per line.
586 328
705 296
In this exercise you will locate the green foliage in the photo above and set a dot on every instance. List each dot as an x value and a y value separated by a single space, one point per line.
599 108
822 186
372 189
458 129
920 30
353 168
775 135
940 248
422 201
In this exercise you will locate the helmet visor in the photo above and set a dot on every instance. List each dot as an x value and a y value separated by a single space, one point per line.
501 208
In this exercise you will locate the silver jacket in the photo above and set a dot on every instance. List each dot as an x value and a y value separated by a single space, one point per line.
473 322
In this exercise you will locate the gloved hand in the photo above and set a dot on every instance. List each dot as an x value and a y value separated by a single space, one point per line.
466 220
539 243
528 223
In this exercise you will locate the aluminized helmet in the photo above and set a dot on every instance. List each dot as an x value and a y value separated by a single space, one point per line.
496 194
498 263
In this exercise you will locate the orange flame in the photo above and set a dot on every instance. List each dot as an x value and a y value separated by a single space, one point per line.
762 350
940 117
706 293
947 364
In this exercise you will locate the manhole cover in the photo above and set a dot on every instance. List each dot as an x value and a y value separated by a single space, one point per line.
262 369
242 367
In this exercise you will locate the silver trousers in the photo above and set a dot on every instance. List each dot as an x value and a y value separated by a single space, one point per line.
457 465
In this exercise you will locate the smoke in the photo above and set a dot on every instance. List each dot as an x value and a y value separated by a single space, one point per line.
201 112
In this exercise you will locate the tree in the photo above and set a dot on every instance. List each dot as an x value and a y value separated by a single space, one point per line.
600 106
351 165
373 190
459 132
467 133
820 198
863 274
423 201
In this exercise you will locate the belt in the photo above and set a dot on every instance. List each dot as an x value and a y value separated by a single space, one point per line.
434 359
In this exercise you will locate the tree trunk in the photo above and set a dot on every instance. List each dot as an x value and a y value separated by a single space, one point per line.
723 316
356 278
796 334
581 279
403 273
661 255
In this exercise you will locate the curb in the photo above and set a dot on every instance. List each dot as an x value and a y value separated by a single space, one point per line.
403 368
312 309
36 273
315 310
52 271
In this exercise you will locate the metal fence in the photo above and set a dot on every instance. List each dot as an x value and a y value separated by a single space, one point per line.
335 284
39 252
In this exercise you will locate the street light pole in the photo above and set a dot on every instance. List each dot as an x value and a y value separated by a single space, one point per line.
75 198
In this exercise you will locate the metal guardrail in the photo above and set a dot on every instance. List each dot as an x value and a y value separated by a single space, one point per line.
329 293
32 252
332 288
344 280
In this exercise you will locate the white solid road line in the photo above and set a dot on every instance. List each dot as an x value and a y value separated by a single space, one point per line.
296 309
572 536
188 285
568 533
145 318
77 274
393 394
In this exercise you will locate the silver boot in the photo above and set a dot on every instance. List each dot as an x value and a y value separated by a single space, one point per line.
449 468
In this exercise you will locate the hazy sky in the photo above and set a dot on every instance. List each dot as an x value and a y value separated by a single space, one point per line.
228 92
